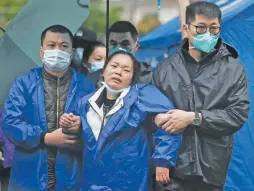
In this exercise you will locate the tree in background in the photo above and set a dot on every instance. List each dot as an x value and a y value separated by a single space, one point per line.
8 10
149 22
96 20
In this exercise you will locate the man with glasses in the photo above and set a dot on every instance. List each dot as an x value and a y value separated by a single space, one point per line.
208 86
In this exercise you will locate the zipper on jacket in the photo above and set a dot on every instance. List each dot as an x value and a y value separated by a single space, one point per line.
57 102
102 125
104 117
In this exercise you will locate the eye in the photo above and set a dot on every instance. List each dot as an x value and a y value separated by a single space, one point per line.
126 44
65 46
113 43
51 45
201 27
215 30
127 71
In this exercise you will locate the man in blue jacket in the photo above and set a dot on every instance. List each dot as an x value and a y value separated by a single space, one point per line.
33 108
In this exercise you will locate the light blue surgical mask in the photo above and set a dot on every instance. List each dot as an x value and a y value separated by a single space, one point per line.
56 60
97 65
205 42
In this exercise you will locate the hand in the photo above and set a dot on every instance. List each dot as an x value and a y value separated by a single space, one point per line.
161 119
178 121
66 120
59 139
162 175
1 156
70 123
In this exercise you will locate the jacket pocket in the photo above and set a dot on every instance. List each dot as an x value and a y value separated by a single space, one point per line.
214 158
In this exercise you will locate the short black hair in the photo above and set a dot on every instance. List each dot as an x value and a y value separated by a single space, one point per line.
56 29
124 26
207 9
136 66
90 48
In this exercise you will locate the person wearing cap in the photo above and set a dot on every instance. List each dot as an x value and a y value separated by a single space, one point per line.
116 153
81 42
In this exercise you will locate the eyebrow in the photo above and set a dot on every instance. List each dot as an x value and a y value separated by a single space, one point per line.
64 42
125 40
206 24
201 23
114 62
214 24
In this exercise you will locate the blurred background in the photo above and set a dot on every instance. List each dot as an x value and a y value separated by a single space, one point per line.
160 36
142 13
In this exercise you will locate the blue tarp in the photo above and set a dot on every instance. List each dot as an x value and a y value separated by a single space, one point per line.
238 31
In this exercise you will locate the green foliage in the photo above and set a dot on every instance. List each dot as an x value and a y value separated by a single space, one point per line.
97 17
149 22
96 20
9 9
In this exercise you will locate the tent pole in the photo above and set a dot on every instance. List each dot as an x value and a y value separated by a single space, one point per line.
107 26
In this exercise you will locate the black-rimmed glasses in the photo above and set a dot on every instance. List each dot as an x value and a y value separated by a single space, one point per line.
201 29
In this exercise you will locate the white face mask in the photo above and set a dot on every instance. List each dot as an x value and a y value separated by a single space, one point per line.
56 60
112 91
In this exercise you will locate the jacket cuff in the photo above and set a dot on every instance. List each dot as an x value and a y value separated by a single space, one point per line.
42 139
162 163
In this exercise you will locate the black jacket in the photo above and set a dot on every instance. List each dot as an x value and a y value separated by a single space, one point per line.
219 92
55 92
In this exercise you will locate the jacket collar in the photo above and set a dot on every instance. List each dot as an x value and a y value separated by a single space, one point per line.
39 72
221 50
96 101
50 77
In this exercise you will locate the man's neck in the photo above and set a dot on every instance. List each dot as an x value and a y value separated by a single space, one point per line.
195 54
57 74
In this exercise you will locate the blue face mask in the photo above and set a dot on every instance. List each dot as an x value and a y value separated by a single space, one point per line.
97 65
205 42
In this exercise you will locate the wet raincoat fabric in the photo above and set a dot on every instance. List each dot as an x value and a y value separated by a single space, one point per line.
121 160
24 120
219 92
8 147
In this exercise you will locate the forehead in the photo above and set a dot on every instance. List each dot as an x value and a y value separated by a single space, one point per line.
116 36
57 37
99 51
201 19
123 60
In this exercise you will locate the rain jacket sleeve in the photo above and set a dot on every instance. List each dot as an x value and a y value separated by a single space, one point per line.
225 122
16 127
166 145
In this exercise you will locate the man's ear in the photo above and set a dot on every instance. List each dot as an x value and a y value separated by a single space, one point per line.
41 52
137 45
185 30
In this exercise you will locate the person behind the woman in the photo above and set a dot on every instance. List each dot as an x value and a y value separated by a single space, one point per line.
95 56
92 58
116 154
